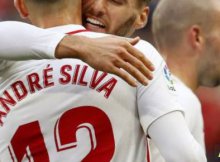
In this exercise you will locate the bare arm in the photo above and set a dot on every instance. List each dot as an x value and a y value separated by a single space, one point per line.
110 54
20 41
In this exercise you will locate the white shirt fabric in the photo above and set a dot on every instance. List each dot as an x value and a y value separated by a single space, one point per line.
51 110
191 106
21 48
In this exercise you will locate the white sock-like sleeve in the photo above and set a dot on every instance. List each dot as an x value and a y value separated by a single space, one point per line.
174 140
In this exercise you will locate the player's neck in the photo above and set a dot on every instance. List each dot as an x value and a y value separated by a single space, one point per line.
185 69
57 19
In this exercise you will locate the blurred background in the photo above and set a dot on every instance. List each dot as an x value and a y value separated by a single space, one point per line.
210 97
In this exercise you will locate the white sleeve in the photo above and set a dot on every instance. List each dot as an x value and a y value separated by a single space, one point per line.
157 99
21 41
174 140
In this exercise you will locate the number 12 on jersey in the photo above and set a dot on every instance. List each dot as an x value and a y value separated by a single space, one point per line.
85 129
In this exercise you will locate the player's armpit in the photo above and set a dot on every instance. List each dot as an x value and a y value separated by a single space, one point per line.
110 54
174 140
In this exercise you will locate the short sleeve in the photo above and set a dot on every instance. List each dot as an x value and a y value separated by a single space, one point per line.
160 96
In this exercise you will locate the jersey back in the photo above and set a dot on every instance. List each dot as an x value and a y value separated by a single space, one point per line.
63 110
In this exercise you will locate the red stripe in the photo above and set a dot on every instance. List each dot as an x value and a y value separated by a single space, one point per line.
77 31
11 154
28 157
148 151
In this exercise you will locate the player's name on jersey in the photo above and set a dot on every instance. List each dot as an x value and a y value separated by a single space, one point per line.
34 82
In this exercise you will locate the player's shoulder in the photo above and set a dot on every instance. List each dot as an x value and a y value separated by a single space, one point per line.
145 47
91 34
150 52
17 25
8 23
189 102
186 97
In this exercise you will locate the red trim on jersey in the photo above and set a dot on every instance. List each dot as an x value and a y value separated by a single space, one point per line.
148 151
12 158
28 157
77 31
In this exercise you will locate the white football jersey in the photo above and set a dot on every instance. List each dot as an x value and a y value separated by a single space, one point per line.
65 111
191 107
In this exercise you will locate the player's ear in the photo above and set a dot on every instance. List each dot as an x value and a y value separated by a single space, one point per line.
21 8
142 18
195 37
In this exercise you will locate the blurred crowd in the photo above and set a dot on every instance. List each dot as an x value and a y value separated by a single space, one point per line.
209 97
7 11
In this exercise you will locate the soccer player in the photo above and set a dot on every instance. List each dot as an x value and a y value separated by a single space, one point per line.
99 16
109 54
119 17
83 120
190 42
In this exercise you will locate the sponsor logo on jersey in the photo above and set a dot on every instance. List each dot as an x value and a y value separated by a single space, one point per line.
169 79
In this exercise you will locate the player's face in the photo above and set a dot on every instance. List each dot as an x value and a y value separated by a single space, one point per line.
119 17
210 63
209 74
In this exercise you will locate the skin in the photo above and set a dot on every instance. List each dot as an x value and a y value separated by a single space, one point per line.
113 16
194 55
122 17
119 17
112 53
209 69
155 127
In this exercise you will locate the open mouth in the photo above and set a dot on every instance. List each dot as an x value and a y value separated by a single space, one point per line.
95 22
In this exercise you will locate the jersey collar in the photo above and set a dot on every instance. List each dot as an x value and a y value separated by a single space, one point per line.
67 28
